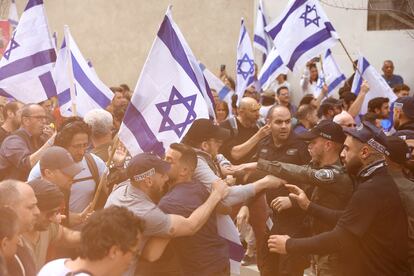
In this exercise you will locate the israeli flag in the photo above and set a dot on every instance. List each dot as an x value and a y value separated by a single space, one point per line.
25 68
168 96
272 68
13 16
245 62
89 91
224 92
301 32
261 39
378 87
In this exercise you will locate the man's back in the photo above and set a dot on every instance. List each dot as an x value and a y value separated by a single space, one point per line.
205 253
375 215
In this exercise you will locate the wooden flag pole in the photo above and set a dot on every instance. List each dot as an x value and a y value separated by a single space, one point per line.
354 66
102 180
70 71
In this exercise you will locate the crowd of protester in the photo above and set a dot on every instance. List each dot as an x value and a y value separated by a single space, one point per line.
314 186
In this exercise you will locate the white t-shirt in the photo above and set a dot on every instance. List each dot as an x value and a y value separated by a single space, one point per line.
81 193
56 268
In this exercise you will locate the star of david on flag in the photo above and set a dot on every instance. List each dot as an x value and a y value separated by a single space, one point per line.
245 62
165 108
12 45
168 96
313 33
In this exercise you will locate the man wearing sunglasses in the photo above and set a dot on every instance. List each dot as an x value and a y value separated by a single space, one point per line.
47 229
21 150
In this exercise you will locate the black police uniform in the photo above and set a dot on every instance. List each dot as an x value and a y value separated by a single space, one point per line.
371 233
292 221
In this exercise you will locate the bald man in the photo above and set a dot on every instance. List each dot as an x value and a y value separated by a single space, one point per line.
245 131
20 197
344 119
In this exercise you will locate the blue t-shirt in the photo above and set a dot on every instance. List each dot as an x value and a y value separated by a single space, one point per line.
205 253
394 80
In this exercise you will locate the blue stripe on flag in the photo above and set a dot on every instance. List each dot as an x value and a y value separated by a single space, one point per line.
138 126
89 87
274 31
365 65
169 37
13 22
328 53
310 43
260 41
243 34
27 63
33 3
236 251
336 82
64 97
5 94
48 84
223 92
272 68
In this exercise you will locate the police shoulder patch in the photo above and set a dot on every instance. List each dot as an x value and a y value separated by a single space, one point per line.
324 175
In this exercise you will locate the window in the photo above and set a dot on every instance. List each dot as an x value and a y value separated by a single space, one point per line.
390 15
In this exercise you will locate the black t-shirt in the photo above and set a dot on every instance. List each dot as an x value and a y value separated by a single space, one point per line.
375 215
295 151
205 253
242 135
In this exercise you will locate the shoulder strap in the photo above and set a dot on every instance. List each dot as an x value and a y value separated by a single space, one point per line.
93 168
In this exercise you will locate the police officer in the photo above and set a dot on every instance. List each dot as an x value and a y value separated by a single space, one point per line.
371 233
332 185
283 145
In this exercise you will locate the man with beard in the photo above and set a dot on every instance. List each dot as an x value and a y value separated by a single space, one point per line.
12 117
404 117
47 229
147 177
371 233
332 185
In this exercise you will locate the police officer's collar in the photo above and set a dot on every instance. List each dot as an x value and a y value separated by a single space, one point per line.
371 168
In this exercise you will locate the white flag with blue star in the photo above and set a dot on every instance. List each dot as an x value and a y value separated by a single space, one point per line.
25 68
302 32
89 91
331 74
261 38
378 87
272 68
168 96
245 62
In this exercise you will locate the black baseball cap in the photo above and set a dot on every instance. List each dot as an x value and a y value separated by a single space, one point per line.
368 133
398 149
48 195
325 129
58 158
407 106
204 129
146 164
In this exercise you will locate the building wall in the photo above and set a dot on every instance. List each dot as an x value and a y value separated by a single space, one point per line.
117 35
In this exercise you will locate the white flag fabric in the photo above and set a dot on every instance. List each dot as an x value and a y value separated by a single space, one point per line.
13 16
378 87
330 75
91 92
245 62
260 39
302 32
272 68
25 68
168 96
224 92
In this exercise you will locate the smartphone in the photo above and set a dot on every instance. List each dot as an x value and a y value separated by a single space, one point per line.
222 67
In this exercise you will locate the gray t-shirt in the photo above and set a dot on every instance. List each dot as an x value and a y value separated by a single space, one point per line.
156 222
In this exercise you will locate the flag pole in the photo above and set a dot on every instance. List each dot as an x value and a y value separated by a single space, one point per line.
354 66
70 71
102 180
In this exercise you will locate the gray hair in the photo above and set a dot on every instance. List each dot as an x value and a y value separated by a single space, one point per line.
9 192
100 121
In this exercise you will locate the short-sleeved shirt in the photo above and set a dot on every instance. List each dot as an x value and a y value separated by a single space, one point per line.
81 192
39 249
394 80
376 216
204 253
56 268
156 222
